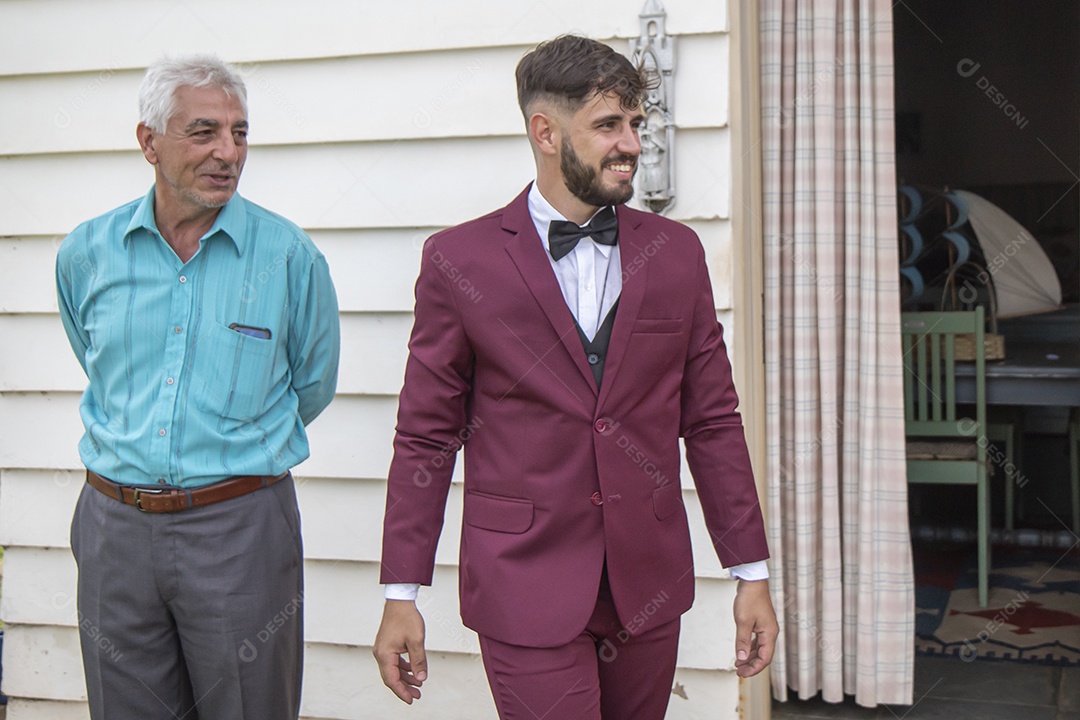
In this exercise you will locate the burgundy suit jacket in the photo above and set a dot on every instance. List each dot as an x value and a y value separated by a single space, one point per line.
496 364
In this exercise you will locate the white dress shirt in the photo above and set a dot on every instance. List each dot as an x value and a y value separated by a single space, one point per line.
590 277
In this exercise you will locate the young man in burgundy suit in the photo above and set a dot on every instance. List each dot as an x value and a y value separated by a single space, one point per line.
568 342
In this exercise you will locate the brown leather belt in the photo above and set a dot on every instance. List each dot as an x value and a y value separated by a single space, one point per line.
168 499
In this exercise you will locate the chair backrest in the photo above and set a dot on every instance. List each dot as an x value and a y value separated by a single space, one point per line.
929 341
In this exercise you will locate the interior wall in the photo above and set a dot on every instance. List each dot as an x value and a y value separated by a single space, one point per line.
988 99
996 86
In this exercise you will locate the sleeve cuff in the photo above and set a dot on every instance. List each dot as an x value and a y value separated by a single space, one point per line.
401 591
749 571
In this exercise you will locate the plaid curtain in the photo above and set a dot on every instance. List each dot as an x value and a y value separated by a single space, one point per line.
837 497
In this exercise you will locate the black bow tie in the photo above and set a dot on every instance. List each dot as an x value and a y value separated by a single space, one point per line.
563 235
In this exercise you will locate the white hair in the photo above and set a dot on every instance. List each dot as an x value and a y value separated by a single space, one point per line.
157 94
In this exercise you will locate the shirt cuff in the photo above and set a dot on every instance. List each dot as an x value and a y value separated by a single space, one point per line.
401 591
749 571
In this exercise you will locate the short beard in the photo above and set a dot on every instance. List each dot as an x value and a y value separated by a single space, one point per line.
199 201
584 182
190 195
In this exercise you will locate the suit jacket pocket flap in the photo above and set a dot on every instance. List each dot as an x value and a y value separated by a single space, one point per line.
657 325
666 500
501 514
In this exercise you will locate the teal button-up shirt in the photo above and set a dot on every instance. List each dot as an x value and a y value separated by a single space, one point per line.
176 396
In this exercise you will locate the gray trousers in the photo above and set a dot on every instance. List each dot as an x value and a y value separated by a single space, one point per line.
196 614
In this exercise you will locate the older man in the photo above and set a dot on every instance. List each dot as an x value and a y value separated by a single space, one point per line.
208 329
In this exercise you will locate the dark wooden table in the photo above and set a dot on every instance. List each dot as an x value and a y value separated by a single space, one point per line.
1032 373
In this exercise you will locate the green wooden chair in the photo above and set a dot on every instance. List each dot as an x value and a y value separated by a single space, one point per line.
944 447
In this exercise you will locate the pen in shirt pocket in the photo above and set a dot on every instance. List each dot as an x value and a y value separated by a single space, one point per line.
255 332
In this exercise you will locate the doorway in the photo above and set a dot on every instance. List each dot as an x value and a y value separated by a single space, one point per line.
988 101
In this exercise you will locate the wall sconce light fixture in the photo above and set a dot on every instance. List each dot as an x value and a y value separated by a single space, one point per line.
655 51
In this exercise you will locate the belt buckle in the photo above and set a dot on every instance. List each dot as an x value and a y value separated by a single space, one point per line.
140 491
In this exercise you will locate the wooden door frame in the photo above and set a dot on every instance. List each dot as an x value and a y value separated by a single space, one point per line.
755 697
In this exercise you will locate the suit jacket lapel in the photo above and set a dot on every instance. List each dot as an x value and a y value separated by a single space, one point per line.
527 252
633 292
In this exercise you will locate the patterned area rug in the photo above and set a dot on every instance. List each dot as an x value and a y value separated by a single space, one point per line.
1033 612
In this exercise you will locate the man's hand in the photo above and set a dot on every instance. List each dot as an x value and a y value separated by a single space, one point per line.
755 627
401 632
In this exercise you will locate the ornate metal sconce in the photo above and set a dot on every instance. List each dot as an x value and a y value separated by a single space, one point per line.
655 51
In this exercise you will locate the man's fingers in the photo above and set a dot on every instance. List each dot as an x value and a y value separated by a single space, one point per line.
766 642
744 636
760 655
743 644
407 674
396 678
751 666
417 659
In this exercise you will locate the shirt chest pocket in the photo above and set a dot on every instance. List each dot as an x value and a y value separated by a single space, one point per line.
232 373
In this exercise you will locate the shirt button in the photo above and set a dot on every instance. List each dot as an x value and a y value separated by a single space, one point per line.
161 481
588 287
161 432
600 426
170 381
597 499
183 279
178 329
593 358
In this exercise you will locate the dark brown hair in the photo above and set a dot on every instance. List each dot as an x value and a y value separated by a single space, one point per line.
570 68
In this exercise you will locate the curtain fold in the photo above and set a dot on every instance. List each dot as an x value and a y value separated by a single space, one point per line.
837 486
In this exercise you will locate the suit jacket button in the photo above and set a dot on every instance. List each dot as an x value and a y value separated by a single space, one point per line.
597 499
601 426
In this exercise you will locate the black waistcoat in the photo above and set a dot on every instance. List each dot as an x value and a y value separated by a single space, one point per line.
596 349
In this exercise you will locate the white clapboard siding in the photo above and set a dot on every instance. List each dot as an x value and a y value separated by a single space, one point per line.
372 131
373 352
21 709
43 661
27 274
40 37
343 519
408 183
336 513
335 589
374 347
374 270
352 438
36 508
431 95
340 681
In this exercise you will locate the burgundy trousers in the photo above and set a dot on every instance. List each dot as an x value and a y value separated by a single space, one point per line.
605 673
